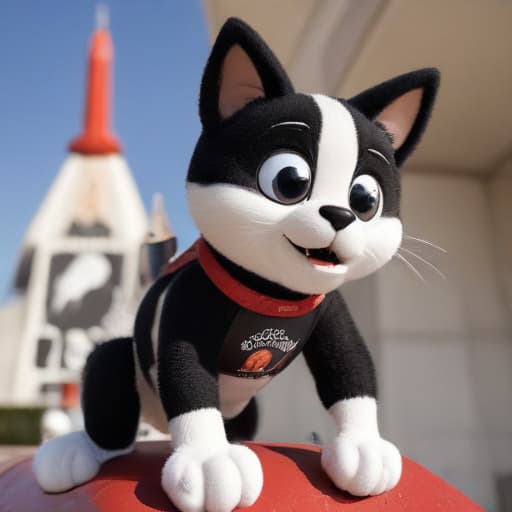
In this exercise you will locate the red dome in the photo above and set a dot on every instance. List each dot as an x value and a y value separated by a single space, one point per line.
294 482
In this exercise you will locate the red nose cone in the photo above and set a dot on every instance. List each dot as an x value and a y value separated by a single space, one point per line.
97 138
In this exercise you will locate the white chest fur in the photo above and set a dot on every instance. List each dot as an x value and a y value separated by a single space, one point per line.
234 395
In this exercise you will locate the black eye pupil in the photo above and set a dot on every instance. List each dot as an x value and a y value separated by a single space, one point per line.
285 178
361 199
289 184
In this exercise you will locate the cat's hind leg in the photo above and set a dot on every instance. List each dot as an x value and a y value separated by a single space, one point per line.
111 412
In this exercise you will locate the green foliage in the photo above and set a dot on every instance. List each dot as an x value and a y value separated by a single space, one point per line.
20 425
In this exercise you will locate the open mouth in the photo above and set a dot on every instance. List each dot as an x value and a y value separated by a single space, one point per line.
323 257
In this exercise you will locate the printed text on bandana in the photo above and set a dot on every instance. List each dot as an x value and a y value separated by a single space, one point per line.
257 345
270 338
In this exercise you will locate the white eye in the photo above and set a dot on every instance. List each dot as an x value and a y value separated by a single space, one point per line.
285 178
366 197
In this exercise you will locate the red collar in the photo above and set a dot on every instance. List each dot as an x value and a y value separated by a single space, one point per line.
247 298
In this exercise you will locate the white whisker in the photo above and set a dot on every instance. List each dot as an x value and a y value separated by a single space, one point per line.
431 265
374 257
411 266
427 242
263 223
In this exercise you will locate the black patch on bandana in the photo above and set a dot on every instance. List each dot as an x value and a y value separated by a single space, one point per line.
256 345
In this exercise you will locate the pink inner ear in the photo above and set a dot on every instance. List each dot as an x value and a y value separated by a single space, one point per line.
399 116
239 82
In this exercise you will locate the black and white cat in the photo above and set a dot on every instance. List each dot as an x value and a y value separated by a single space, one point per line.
294 195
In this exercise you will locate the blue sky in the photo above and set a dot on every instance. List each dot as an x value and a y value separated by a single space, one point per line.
160 49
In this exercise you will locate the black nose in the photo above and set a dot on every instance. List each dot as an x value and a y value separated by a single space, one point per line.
339 218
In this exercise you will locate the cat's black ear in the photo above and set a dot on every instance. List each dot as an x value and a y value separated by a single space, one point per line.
240 69
403 106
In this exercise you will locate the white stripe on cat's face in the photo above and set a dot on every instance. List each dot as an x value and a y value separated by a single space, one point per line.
337 153
255 232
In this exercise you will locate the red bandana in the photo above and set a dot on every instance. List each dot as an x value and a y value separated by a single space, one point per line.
247 298
236 291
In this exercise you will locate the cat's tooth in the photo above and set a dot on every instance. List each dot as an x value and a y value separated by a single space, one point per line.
307 252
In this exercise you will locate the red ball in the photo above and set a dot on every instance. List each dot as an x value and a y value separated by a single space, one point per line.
293 482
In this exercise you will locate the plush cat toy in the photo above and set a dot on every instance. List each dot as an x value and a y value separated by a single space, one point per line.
294 195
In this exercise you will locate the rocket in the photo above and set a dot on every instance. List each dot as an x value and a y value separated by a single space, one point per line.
79 272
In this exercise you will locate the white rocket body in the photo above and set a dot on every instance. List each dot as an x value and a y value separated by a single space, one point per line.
84 241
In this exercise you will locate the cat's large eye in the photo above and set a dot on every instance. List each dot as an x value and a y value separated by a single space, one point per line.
365 197
285 178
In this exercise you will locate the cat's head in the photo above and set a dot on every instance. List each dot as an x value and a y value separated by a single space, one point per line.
302 190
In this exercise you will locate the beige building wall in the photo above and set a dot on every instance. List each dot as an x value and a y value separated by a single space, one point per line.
446 351
500 197
499 380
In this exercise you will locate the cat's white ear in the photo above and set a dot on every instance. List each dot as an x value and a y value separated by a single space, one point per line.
240 69
402 106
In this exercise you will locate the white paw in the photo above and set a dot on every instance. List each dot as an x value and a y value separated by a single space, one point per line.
64 462
196 481
362 466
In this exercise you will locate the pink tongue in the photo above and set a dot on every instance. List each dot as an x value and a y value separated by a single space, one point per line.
320 262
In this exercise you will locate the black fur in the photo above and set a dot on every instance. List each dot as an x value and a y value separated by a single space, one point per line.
189 349
191 327
340 363
234 152
372 136
110 401
243 426
145 317
373 101
274 79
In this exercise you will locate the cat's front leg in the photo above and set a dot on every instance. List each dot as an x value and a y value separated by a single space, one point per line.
205 471
358 460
